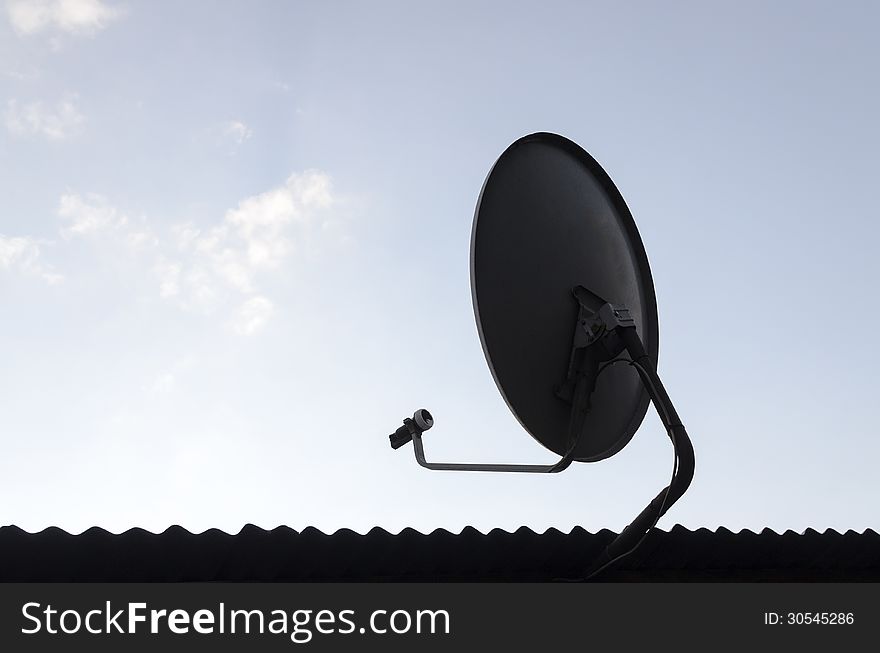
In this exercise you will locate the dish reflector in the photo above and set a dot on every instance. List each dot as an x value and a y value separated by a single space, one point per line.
549 219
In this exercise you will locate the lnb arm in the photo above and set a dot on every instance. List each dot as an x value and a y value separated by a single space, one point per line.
422 420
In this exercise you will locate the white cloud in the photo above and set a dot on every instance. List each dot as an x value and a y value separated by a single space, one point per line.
220 267
141 239
77 17
252 239
253 315
169 278
237 131
166 381
88 214
22 254
57 123
21 75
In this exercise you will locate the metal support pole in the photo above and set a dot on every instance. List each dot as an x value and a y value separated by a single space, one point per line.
631 536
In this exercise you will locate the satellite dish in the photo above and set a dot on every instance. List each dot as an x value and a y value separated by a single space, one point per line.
567 318
550 219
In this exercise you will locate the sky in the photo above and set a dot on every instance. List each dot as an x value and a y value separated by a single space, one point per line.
234 256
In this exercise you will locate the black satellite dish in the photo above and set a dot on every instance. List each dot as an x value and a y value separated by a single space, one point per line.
548 220
567 317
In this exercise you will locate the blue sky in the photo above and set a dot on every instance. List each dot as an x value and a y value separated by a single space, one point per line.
234 255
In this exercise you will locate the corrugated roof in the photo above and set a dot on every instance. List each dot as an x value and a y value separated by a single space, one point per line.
283 554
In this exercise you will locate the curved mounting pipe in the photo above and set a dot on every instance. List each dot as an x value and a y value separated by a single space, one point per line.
631 536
